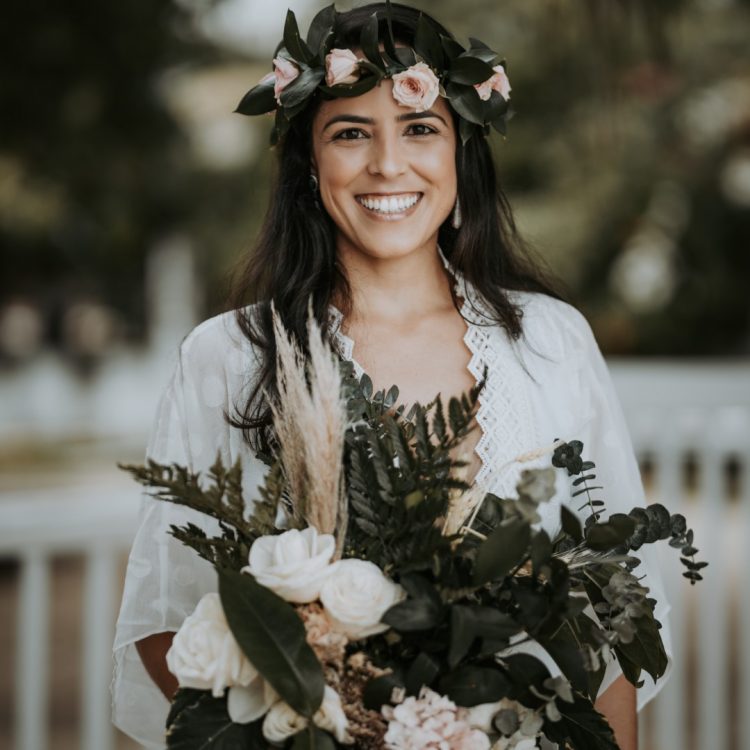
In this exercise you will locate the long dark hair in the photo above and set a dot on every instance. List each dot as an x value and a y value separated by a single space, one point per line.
294 260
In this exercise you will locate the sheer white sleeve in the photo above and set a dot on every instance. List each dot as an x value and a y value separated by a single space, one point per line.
165 579
607 442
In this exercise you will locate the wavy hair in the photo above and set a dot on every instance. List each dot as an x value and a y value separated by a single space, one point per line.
294 263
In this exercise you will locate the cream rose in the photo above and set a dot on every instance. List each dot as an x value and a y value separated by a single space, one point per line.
246 703
342 66
204 653
282 721
355 595
497 82
416 87
284 73
293 564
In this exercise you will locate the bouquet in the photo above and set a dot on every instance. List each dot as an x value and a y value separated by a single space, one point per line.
370 597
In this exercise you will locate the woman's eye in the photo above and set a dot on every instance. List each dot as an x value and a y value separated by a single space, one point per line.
346 135
426 129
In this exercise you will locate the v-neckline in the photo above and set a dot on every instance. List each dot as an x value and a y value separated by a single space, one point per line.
345 346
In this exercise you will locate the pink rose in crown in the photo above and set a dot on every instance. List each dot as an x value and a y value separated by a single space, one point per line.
416 87
342 66
284 73
497 82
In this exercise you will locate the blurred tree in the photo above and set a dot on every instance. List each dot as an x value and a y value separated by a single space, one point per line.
94 167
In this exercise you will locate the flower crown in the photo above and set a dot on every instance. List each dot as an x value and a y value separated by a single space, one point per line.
473 80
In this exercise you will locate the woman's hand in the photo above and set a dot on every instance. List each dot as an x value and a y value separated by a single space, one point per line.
153 652
618 704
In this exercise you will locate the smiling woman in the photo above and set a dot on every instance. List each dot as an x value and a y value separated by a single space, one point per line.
386 219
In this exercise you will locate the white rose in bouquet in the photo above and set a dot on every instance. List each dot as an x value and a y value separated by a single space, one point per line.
355 596
282 721
205 655
293 564
246 703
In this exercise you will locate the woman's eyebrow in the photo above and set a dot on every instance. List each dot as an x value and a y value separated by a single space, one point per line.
406 117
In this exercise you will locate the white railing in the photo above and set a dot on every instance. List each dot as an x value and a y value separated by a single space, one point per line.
673 410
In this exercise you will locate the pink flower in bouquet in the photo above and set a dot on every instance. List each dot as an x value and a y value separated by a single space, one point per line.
342 66
497 82
430 722
284 73
416 87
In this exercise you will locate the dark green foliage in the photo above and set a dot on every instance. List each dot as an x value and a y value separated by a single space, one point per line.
198 720
222 500
399 476
582 726
272 636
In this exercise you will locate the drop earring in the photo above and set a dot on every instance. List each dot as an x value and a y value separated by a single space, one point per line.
314 186
456 215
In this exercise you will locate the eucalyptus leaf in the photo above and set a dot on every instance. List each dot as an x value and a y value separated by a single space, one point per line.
482 53
471 685
198 720
503 549
469 622
570 524
469 71
312 738
378 690
412 614
451 47
427 43
581 725
293 41
496 106
368 41
611 533
422 672
298 91
647 648
273 638
500 126
321 26
465 100
259 100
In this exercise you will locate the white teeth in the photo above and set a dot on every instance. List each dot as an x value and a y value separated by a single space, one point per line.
390 205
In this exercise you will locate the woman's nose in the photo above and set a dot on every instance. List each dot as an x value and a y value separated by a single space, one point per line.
387 156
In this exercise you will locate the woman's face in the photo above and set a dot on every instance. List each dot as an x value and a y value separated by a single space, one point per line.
387 173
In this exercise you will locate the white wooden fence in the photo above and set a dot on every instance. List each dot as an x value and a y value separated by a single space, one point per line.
674 410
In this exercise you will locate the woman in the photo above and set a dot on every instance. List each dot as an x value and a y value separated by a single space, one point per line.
386 213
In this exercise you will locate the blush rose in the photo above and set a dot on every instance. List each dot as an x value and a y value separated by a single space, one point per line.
342 66
284 72
498 81
416 87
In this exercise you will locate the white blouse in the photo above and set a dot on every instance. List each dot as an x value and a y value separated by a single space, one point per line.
552 383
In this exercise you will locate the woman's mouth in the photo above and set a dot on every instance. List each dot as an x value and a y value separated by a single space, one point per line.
389 207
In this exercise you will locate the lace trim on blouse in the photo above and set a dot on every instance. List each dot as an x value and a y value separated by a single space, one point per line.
504 412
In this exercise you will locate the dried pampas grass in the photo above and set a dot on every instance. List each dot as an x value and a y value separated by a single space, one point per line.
310 423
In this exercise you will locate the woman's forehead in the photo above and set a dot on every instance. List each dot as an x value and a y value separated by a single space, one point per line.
378 104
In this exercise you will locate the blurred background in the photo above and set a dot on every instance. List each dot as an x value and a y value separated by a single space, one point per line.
128 191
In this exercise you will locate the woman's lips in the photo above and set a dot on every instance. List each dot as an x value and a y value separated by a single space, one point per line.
389 215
